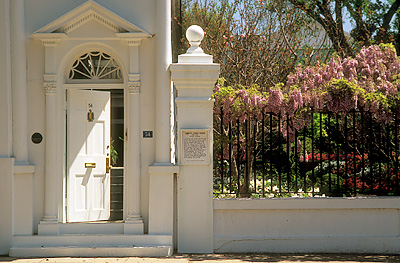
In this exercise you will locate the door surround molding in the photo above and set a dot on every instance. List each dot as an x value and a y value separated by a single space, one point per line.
59 50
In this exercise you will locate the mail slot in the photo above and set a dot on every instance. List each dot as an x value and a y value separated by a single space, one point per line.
90 165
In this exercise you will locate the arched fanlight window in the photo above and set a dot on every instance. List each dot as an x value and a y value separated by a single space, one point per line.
95 67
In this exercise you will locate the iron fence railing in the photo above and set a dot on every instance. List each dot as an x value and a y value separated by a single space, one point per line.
337 155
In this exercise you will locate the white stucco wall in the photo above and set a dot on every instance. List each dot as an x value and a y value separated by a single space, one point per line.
6 208
328 225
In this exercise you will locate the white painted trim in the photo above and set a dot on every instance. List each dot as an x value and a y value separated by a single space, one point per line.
94 86
54 77
163 82
86 12
85 47
323 203
163 169
24 169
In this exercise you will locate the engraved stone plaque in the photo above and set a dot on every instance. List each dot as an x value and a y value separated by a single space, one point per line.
195 147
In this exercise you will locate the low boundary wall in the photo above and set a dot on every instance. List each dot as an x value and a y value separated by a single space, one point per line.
307 225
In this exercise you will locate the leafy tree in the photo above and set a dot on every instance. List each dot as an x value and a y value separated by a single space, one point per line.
372 21
256 42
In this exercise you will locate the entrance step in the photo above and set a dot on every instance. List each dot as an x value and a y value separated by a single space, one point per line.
105 228
92 246
159 251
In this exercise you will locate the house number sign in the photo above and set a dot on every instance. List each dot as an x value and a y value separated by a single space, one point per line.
195 147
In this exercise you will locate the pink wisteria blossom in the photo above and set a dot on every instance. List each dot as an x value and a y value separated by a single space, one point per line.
369 82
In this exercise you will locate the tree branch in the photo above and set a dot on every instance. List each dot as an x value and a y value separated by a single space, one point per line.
386 20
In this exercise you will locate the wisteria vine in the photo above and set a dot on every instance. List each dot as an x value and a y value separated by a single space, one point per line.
369 82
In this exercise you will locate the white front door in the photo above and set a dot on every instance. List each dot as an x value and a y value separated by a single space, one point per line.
88 149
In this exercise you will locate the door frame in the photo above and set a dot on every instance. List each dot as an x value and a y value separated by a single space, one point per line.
59 58
61 43
69 59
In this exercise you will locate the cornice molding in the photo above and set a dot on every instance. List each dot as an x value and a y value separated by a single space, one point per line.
91 15
91 11
132 38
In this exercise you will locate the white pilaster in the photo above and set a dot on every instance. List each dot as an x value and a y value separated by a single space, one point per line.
133 221
132 181
5 81
18 77
49 223
163 82
194 76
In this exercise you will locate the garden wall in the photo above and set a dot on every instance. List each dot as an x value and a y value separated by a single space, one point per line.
323 225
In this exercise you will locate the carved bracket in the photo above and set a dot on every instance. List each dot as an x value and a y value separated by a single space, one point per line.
50 39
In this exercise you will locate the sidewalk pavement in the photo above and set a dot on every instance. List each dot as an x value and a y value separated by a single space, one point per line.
230 258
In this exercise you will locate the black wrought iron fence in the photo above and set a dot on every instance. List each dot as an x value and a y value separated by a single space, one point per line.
337 155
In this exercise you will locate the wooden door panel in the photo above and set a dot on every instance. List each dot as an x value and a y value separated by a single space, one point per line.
88 188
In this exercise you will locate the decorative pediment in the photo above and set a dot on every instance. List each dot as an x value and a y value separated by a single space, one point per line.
91 11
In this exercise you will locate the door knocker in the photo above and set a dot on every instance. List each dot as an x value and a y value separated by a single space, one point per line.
90 115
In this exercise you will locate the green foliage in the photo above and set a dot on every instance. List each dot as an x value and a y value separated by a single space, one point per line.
342 88
373 22
113 153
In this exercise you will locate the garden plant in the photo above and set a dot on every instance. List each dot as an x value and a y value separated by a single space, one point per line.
330 129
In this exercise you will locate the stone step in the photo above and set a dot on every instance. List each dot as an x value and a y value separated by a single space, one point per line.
92 228
92 245
85 240
154 251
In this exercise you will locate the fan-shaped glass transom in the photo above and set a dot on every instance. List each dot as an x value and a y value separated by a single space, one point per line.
97 67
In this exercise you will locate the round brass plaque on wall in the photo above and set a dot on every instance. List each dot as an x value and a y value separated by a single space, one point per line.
37 138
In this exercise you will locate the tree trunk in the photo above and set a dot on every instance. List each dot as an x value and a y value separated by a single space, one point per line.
176 29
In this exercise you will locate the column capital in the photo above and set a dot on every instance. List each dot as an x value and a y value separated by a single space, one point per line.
134 87
49 87
134 83
134 76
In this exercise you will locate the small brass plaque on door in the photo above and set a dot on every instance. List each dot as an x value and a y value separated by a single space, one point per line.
90 165
90 116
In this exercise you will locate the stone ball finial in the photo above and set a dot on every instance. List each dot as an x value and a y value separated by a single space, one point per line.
194 35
